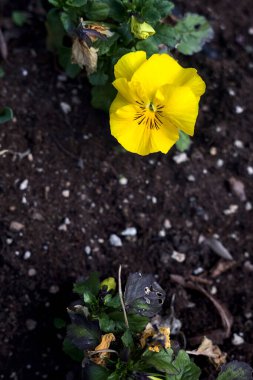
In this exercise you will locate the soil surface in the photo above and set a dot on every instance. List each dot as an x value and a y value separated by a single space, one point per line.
66 187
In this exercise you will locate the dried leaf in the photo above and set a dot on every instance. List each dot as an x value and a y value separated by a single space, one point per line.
213 352
237 188
221 267
84 56
3 46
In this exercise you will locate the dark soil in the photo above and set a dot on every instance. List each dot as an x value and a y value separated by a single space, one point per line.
75 152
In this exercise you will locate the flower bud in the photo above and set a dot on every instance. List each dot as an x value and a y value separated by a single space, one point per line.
141 30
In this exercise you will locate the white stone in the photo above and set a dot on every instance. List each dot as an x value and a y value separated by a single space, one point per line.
179 257
213 290
27 255
115 240
231 92
180 158
162 233
9 241
130 231
154 200
219 163
23 185
248 206
167 224
198 271
66 108
65 193
250 170
87 250
250 30
16 226
32 272
24 72
213 151
231 210
63 227
123 181
191 178
239 109
239 144
237 340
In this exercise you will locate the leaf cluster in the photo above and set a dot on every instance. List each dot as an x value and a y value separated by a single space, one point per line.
100 313
187 35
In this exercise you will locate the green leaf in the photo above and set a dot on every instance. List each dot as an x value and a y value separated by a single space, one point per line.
66 21
76 3
150 14
72 70
89 298
160 360
164 7
92 285
72 351
96 372
102 96
193 31
19 18
6 114
98 78
97 10
56 3
2 72
59 323
184 142
185 368
82 337
107 324
113 302
127 339
137 323
55 30
235 371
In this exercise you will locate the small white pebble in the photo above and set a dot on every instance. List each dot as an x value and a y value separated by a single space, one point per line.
66 221
17 253
239 144
151 162
162 233
32 272
66 108
9 241
23 185
24 200
167 224
180 158
248 206
248 315
218 129
63 227
24 72
237 340
250 170
246 254
65 193
16 226
239 110
250 31
123 181
54 289
231 92
87 250
219 163
213 151
231 210
30 324
130 231
115 240
27 255
154 200
204 171
178 256
198 271
191 178
213 290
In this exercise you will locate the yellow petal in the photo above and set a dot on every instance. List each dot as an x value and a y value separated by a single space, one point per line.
133 137
123 87
190 78
128 64
164 138
181 107
158 70
118 102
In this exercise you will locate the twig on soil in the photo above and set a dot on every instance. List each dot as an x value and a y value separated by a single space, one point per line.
226 317
221 267
121 298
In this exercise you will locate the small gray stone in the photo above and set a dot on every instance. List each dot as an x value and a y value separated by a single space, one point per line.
30 324
23 185
130 231
16 226
115 240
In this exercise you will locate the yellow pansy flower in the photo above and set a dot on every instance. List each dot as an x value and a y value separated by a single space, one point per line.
156 98
155 339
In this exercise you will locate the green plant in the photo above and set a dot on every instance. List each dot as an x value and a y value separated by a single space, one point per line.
121 336
96 34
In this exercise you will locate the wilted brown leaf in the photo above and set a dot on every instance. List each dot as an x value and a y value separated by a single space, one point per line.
212 351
